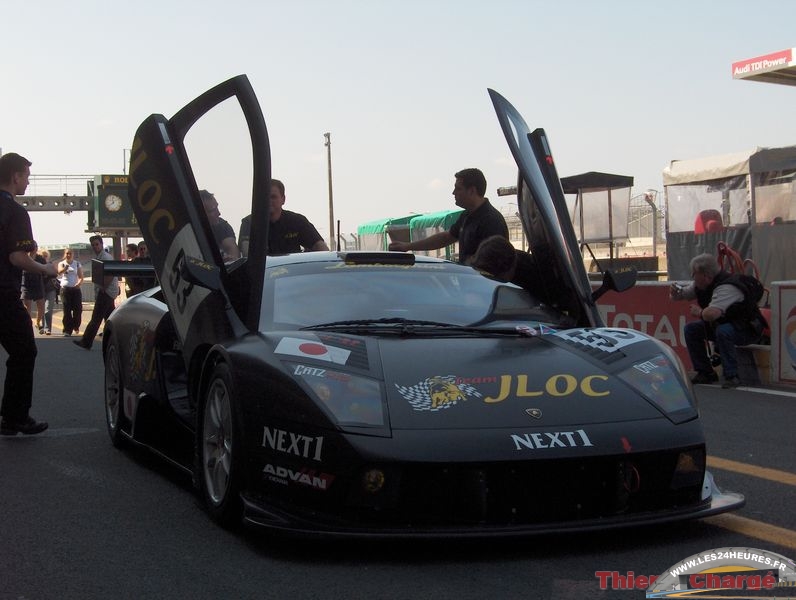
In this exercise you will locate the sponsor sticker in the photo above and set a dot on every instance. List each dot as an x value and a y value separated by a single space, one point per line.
437 393
551 439
312 349
303 476
604 339
288 442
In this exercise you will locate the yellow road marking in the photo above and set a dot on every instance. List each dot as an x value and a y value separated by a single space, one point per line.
761 472
756 529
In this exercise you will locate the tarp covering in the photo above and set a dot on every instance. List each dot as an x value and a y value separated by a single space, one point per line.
758 160
751 197
380 225
594 180
440 221
600 211
682 246
423 226
373 235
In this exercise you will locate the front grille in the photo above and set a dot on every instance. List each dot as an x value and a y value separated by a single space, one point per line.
530 492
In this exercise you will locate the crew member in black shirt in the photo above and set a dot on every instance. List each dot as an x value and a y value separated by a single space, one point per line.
479 220
16 330
288 231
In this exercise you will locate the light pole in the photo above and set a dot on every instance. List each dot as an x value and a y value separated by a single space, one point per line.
125 162
328 143
650 197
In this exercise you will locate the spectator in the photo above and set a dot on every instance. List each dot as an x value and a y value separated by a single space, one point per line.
70 273
33 288
50 297
105 295
132 253
726 317
139 284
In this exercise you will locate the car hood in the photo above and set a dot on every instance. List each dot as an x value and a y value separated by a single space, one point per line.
562 380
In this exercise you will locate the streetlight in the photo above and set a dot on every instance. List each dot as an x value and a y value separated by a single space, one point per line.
328 143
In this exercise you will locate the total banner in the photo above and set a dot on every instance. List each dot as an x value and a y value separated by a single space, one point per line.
646 307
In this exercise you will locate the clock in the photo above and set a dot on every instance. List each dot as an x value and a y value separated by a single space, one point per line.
113 202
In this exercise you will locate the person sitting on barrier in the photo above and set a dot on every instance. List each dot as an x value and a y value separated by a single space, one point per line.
727 316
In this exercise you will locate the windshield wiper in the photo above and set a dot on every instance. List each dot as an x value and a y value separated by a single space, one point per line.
388 321
410 326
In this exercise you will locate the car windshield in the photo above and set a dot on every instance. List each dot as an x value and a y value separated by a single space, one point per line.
310 294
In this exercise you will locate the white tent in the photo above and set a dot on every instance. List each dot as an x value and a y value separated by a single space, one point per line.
746 199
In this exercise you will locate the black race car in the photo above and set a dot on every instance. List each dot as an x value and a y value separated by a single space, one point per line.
383 393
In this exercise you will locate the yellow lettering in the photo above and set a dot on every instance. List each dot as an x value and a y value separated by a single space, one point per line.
505 386
522 387
159 214
137 158
552 385
149 195
586 388
559 385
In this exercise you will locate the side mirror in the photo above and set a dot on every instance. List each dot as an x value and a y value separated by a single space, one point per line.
617 281
200 273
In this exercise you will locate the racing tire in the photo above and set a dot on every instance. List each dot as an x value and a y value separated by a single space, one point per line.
220 444
115 418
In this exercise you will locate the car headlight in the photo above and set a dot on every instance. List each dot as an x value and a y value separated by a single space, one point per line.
661 383
352 400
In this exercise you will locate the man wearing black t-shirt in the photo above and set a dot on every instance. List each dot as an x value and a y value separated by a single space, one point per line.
479 220
288 231
16 330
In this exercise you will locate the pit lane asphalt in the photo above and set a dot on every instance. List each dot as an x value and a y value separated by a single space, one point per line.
83 520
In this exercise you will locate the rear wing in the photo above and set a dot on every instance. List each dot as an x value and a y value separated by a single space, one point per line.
119 268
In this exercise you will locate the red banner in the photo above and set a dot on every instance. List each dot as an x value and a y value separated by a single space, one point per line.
646 307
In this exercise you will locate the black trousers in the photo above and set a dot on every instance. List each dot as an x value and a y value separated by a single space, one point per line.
73 308
16 336
103 307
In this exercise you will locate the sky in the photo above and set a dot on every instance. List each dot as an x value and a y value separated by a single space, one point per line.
619 86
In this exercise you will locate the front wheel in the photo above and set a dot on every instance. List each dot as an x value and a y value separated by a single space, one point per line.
220 443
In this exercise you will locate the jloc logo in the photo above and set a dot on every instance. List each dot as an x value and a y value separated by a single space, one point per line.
292 443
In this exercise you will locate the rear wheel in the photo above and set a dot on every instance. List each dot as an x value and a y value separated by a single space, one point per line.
114 394
220 443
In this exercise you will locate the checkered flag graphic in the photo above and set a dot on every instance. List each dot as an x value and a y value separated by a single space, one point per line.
419 395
